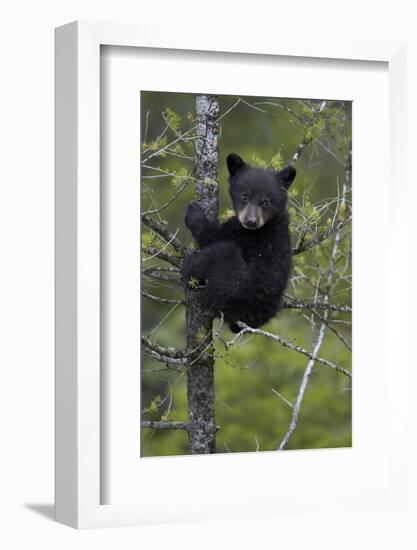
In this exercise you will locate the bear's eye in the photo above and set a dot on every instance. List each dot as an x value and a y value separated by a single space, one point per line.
244 197
265 203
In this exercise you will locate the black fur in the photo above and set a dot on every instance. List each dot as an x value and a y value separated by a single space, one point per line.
243 265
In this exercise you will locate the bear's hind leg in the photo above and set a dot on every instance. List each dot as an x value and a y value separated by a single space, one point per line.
220 269
227 275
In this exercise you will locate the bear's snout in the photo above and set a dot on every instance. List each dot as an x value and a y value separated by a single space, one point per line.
251 217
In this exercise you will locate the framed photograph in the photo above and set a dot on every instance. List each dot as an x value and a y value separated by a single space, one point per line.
220 294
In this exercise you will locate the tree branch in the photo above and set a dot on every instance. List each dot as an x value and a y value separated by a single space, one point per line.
298 304
286 344
321 237
166 425
171 200
161 268
161 425
159 151
323 326
160 299
162 255
163 278
162 358
301 391
163 354
332 329
300 149
161 230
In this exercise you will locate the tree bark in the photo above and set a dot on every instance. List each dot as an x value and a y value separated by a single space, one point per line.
200 366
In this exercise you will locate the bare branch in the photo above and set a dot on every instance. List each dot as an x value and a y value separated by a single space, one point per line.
300 149
286 344
160 299
323 326
159 151
332 329
162 358
161 254
160 268
162 321
298 304
171 200
160 425
306 124
321 236
276 392
169 281
163 354
230 109
301 391
166 425
161 230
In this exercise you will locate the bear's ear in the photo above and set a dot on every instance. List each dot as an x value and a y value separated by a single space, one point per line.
234 163
287 175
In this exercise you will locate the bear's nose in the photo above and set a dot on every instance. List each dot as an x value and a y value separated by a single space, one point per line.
251 222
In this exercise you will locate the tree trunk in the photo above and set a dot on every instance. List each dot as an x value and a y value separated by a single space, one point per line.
200 367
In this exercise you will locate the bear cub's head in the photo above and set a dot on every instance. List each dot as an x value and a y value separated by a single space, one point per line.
258 195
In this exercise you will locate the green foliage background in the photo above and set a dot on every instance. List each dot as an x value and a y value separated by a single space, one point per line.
250 414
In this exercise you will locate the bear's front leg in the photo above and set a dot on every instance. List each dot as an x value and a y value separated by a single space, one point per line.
203 230
195 269
195 219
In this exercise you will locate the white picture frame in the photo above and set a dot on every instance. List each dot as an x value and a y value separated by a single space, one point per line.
78 425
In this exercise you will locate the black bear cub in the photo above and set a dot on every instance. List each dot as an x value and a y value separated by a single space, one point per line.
243 265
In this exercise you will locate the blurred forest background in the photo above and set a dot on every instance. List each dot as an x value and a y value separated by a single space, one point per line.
258 379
